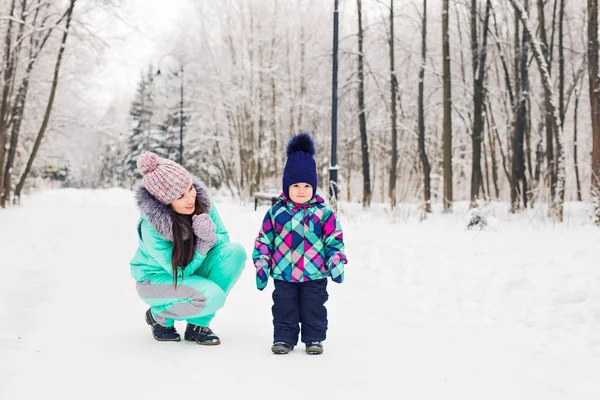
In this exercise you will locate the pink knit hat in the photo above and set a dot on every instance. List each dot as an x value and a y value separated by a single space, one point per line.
164 179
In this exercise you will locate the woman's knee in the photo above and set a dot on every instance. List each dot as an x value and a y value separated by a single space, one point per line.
203 294
214 297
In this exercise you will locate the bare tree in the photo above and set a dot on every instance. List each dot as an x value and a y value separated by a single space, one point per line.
39 16
575 144
362 116
594 86
447 135
561 60
394 111
40 136
421 117
17 108
558 200
577 78
492 150
479 58
518 187
549 119
8 67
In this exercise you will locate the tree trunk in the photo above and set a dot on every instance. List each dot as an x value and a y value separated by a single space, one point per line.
561 61
502 154
539 160
528 147
349 176
548 115
17 117
463 74
258 153
594 86
274 168
492 142
7 78
362 116
18 109
558 199
292 117
575 159
447 135
503 60
422 152
273 125
487 170
518 156
302 77
394 113
479 58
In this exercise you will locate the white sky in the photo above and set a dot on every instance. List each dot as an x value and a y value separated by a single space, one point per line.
133 43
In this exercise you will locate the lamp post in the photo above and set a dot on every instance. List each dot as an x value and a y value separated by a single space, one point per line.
333 169
180 102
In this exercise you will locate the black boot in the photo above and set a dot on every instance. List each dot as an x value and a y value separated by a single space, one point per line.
162 333
282 347
314 347
201 335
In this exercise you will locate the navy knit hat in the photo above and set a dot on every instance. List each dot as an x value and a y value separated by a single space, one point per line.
300 165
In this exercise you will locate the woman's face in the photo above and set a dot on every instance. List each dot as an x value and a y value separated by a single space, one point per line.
186 204
300 192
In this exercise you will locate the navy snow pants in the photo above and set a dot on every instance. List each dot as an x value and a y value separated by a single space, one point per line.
299 303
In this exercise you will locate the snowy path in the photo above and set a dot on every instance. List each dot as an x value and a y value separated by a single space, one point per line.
451 314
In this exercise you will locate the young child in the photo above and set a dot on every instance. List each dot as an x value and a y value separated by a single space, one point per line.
299 244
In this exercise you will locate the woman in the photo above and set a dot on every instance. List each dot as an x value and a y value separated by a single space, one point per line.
185 264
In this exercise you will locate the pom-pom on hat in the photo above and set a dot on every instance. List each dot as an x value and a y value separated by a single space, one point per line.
300 165
164 179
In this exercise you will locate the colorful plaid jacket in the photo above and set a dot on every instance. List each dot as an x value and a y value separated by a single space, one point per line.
299 243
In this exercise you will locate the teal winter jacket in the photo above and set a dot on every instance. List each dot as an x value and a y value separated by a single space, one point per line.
155 236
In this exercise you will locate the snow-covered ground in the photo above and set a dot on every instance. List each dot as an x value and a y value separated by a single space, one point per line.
429 310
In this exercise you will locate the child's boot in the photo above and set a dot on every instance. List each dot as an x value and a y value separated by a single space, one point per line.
162 333
282 347
314 347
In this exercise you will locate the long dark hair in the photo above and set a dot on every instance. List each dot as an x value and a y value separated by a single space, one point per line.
183 249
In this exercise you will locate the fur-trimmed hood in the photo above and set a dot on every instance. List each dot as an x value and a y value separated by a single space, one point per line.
159 214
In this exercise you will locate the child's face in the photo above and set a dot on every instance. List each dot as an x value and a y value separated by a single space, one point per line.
186 204
300 192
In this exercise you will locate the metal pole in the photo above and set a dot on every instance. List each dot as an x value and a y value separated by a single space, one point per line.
181 121
333 169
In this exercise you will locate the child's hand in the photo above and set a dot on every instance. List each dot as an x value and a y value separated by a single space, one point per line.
205 231
262 273
336 268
